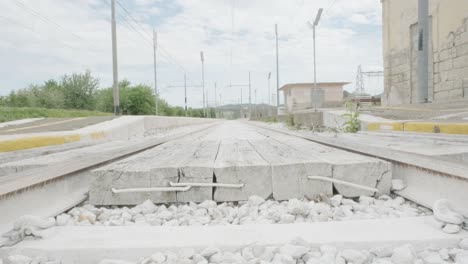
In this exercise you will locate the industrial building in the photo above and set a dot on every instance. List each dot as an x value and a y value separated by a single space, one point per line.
297 96
447 48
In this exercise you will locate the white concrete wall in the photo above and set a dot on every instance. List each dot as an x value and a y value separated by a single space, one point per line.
127 127
297 97
122 128
448 50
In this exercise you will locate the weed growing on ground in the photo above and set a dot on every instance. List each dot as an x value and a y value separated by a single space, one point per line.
352 125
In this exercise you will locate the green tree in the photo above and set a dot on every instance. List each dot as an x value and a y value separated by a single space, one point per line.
21 98
139 100
50 95
79 90
3 101
212 113
105 100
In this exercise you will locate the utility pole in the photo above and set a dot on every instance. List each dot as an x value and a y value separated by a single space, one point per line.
241 108
114 62
216 100
250 98
203 80
185 92
255 102
277 71
269 92
155 44
423 54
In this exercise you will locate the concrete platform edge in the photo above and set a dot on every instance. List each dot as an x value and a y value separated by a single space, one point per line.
123 128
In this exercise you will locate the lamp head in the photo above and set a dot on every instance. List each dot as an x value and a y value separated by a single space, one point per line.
317 18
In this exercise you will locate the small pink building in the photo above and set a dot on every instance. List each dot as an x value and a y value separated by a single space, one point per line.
297 95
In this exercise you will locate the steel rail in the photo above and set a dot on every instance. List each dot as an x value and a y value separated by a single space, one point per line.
51 190
427 178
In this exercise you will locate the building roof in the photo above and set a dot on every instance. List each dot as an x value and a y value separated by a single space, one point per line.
292 85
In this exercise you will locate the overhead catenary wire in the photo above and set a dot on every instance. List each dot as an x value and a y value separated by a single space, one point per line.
148 38
329 7
33 30
51 22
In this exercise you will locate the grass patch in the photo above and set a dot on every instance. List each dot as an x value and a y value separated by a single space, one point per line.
15 113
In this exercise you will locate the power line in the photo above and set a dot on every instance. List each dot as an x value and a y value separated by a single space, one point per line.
32 30
142 32
133 19
161 49
167 57
49 21
127 22
329 7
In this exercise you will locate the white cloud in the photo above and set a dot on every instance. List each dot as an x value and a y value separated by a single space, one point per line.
359 19
200 25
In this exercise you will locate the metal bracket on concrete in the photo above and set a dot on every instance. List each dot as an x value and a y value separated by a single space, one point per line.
155 189
207 184
321 178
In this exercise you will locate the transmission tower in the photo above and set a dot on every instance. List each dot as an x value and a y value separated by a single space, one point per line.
360 90
359 81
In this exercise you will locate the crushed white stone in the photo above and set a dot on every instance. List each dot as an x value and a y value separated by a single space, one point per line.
449 219
254 211
296 251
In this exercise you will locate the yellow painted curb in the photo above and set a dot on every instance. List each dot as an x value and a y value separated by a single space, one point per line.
444 128
425 127
98 135
396 126
38 141
420 127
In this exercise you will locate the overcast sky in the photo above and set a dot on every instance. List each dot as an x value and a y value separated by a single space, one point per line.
44 39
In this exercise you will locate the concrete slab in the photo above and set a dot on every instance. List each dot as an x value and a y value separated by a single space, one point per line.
444 137
83 244
267 163
290 170
66 183
428 178
152 168
54 124
430 146
199 168
37 152
44 200
19 122
57 157
122 128
346 166
239 162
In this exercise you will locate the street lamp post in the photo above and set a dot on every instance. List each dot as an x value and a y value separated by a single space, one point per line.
203 80
277 71
314 91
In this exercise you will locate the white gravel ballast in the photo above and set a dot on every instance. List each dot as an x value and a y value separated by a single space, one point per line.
254 211
295 252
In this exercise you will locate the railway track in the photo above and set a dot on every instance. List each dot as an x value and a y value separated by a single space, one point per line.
427 178
88 234
30 192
